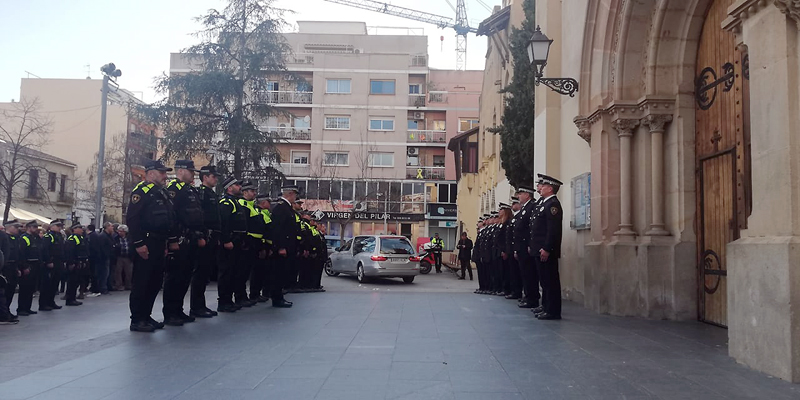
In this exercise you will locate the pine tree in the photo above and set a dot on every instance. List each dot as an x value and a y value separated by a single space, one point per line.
516 128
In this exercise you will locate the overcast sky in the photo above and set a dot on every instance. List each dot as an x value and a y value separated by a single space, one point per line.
59 38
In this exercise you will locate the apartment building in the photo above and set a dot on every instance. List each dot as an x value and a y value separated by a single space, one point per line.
366 128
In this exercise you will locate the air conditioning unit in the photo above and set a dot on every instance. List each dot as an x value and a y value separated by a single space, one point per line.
358 51
413 151
360 207
419 115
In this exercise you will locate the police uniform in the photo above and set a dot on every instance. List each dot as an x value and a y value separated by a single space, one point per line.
150 221
31 265
251 246
207 255
546 231
438 244
285 239
188 233
486 259
522 237
260 275
476 256
320 257
9 244
514 275
76 257
53 257
234 229
305 251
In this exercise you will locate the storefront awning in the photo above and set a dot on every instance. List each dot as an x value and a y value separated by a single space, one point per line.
24 216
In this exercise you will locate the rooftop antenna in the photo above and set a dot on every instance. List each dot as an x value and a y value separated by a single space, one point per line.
88 71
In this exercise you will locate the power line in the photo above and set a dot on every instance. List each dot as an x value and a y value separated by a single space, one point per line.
484 5
74 109
451 5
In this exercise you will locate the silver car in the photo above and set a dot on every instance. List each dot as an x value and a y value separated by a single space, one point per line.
375 256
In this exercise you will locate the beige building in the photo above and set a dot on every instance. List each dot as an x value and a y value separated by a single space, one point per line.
680 162
73 106
367 126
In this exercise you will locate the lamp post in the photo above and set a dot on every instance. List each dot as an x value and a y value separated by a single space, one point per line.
110 73
538 51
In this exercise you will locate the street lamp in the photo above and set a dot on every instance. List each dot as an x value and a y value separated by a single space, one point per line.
538 52
110 72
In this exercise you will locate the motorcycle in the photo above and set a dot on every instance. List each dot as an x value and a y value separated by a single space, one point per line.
426 259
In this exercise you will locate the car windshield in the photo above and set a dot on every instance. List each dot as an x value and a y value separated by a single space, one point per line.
396 246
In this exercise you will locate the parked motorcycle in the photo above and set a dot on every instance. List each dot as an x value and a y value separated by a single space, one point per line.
426 259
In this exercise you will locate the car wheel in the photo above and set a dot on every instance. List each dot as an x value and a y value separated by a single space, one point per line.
424 267
329 269
360 274
408 279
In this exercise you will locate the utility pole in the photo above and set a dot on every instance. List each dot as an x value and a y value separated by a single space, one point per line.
109 71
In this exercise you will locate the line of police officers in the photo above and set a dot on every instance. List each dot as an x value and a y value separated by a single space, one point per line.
182 233
518 247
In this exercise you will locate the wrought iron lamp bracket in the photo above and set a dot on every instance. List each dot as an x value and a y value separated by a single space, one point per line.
566 86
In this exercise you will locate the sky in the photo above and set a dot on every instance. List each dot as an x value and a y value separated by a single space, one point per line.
73 38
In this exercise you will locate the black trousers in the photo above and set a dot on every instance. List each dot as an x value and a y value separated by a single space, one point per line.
278 276
148 275
497 275
486 267
177 278
319 268
438 259
206 258
226 269
306 275
530 278
551 286
244 265
466 266
75 277
258 272
506 286
10 272
514 277
27 285
48 284
5 312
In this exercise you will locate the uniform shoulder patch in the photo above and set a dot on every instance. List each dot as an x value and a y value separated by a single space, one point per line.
172 193
554 210
135 198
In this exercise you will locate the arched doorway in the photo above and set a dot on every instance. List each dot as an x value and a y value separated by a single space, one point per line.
722 144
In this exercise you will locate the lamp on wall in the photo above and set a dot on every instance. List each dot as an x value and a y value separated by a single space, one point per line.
538 52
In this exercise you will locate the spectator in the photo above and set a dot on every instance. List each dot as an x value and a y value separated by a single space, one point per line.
464 255
101 247
124 253
89 234
112 262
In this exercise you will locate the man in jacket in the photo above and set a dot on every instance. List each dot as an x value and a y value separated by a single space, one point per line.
233 223
53 257
206 256
437 244
9 244
76 257
545 245
285 240
522 237
31 246
124 252
464 254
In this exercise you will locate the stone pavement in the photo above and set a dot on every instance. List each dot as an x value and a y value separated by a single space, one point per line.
384 340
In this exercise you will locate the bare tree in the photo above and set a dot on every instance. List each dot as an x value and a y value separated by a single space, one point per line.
23 131
117 182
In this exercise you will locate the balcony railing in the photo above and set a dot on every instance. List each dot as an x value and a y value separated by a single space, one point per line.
288 132
300 58
416 100
418 136
283 97
437 97
66 198
290 169
425 173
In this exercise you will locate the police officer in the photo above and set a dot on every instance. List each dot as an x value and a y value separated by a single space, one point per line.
545 245
53 257
207 255
250 245
503 221
307 252
234 229
76 256
9 243
522 237
31 264
150 220
262 223
188 236
437 244
514 275
285 242
321 248
486 254
477 255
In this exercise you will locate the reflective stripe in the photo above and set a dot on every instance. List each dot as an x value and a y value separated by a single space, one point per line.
27 241
226 200
250 205
75 239
145 188
255 235
177 183
267 216
269 241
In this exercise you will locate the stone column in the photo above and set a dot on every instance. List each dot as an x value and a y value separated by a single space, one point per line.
656 123
625 129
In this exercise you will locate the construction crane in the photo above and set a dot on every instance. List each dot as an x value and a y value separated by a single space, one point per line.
460 24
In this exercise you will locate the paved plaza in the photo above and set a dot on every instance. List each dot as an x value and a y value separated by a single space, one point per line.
385 340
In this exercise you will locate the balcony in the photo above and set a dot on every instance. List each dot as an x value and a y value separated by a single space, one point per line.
66 198
290 169
416 100
437 97
284 97
288 132
300 58
419 136
425 173
419 61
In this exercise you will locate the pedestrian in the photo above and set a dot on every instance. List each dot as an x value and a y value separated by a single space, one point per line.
187 238
545 245
514 274
437 244
11 271
53 258
101 248
250 245
464 254
149 219
522 237
285 239
233 222
206 256
261 224
124 253
76 257
111 282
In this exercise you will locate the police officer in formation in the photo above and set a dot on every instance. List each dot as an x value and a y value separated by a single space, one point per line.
285 244
53 257
518 247
233 231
